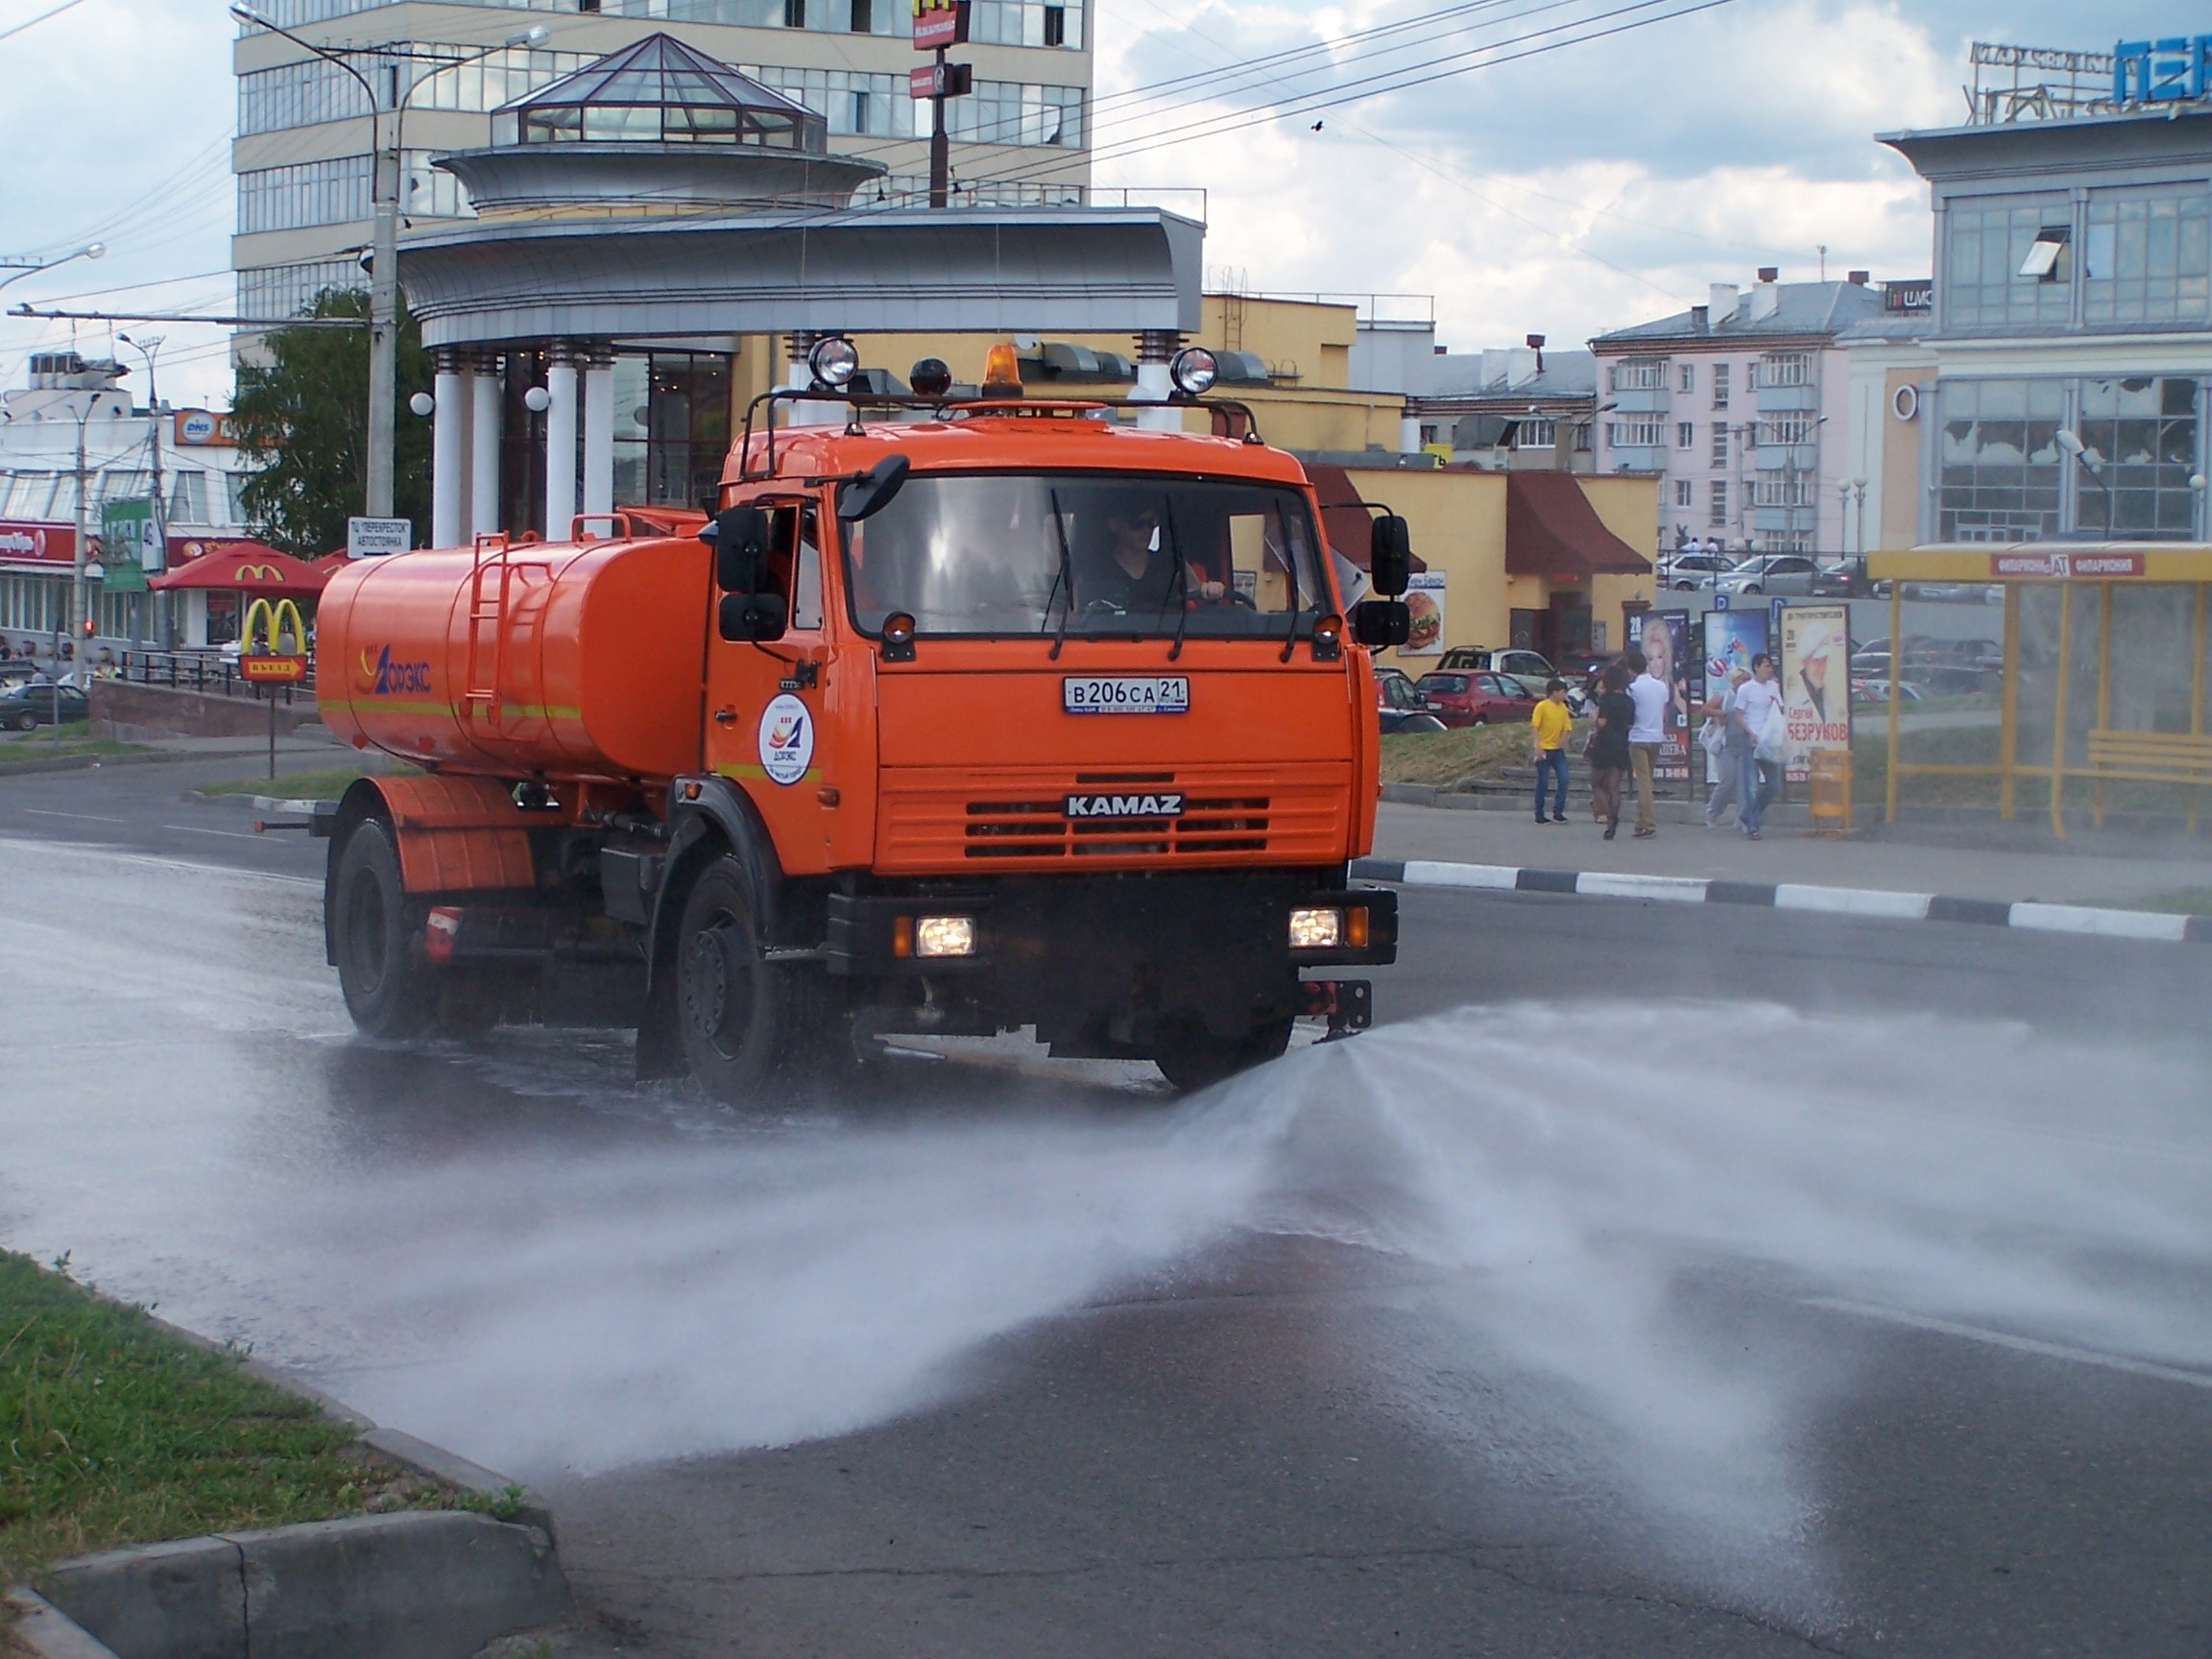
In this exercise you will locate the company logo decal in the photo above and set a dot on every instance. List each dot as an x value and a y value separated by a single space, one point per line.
786 739
1163 804
385 677
260 573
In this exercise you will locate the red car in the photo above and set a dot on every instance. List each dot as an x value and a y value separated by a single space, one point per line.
1475 699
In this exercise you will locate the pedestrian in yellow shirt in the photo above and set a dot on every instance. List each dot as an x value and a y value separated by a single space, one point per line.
1551 721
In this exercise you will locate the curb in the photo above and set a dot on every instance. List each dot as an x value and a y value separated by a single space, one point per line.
2156 926
435 1583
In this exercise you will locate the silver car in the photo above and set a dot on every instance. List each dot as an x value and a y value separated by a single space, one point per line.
1790 573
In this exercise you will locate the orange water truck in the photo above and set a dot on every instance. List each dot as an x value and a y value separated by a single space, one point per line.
954 717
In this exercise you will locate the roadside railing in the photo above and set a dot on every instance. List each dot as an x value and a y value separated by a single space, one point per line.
209 673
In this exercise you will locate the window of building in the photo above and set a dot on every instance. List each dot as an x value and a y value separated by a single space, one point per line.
1718 517
1646 433
1719 443
1685 492
1999 461
303 194
1785 430
2139 436
854 100
188 499
2047 253
2146 255
1011 112
1687 379
1536 433
1792 489
1685 435
1987 250
1025 23
671 426
1784 368
1721 385
270 291
1640 374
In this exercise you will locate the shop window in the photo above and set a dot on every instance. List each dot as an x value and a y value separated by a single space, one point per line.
1999 464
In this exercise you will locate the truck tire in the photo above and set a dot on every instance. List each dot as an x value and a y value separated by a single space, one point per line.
1192 1058
742 1020
387 987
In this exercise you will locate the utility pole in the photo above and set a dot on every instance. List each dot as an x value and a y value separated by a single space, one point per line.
158 601
82 589
937 25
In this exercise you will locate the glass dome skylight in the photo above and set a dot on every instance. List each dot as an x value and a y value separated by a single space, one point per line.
661 91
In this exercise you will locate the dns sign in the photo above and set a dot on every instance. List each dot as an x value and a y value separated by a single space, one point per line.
270 661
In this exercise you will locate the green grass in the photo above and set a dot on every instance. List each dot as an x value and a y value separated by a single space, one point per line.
76 740
1445 759
326 783
113 1433
2183 901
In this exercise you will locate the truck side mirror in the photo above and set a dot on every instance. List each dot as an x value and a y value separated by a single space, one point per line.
739 538
752 617
860 497
1380 623
1390 557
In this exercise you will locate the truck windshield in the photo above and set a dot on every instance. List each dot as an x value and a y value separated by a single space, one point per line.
1117 554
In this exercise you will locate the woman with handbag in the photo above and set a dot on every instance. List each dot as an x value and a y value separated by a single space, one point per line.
1724 803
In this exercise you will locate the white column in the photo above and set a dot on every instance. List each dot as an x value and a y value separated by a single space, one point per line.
483 446
559 443
599 436
1154 348
448 454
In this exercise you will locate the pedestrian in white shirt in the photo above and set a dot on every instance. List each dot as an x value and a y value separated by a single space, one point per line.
1725 802
1758 704
1650 694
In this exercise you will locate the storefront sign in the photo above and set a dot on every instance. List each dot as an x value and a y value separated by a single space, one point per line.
2165 71
939 23
1918 295
26 543
940 80
1815 673
194 427
127 545
2066 566
1425 615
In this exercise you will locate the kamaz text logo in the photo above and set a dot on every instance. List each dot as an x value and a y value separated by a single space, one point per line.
1160 805
386 678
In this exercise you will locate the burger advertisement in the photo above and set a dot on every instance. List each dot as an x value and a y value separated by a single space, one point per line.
1425 611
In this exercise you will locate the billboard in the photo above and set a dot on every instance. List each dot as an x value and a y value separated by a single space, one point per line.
1732 639
128 548
1425 608
1814 669
1664 638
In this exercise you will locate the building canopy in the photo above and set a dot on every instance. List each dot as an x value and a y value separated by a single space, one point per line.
1552 530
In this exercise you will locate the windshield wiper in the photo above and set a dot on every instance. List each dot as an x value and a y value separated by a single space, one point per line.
1065 580
1182 576
1290 580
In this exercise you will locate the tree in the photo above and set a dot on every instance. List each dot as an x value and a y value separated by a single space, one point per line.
304 415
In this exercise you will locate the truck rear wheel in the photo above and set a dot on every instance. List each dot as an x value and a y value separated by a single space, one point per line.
1191 1058
388 991
742 1020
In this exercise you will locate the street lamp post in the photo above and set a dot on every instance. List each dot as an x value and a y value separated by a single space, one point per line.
384 247
2070 441
147 348
19 269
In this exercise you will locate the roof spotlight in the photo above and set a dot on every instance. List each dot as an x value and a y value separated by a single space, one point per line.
833 362
931 377
1193 370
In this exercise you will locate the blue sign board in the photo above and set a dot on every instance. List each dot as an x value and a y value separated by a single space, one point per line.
2162 71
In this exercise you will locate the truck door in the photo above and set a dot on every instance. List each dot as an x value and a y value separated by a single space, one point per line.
775 718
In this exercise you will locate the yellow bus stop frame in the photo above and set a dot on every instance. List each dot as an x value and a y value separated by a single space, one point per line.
2106 565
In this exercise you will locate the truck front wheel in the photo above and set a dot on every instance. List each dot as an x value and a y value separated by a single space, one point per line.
738 1014
388 991
1190 1057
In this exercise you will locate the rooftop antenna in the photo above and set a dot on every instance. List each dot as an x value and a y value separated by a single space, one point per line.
1823 261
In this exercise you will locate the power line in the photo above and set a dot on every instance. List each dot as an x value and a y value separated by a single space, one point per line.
34 22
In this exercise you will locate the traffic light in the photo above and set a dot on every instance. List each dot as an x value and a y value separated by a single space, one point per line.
92 627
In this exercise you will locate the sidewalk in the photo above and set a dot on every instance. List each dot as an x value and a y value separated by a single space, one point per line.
1955 860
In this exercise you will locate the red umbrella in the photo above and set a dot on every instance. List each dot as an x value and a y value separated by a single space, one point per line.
247 567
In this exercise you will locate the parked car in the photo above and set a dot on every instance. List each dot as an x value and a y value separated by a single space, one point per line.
1790 573
1382 673
23 707
1513 660
17 668
1687 572
1400 707
1845 579
1475 699
1878 692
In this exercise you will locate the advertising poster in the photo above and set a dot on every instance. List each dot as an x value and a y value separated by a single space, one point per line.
1664 638
1425 608
1732 639
127 547
1815 674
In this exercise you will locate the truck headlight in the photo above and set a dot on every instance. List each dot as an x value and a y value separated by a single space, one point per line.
944 935
1317 927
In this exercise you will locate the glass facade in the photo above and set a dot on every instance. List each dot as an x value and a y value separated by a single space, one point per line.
288 290
2005 478
2147 255
2000 463
333 192
2140 437
855 102
1986 243
671 427
1013 113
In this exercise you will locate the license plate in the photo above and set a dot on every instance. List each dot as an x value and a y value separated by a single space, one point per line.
1133 803
1164 695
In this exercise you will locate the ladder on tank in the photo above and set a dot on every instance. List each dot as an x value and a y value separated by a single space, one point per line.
489 611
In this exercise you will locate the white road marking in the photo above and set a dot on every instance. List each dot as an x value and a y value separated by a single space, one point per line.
1421 872
1851 900
80 817
2019 1344
2112 923
113 856
1628 884
232 834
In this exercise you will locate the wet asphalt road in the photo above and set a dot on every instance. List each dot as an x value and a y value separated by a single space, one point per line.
1663 1280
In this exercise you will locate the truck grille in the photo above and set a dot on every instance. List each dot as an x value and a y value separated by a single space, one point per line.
1289 813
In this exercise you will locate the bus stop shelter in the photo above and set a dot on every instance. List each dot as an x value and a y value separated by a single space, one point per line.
2103 694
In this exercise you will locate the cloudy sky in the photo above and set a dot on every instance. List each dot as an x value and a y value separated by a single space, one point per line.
1584 188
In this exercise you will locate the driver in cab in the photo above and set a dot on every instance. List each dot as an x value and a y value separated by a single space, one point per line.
1132 569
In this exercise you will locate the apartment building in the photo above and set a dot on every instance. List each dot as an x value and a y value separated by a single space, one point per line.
1738 406
303 154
